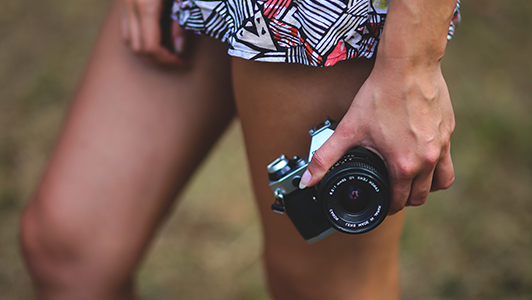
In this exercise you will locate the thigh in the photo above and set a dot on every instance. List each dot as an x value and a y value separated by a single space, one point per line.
132 137
277 103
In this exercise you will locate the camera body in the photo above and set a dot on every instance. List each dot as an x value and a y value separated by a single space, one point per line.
353 197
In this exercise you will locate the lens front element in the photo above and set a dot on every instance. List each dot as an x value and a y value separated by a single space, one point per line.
355 193
353 199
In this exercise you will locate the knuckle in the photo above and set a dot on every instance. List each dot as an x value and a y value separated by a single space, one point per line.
319 161
406 169
452 125
445 140
344 132
432 156
446 134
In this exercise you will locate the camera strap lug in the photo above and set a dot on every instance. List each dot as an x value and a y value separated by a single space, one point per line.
278 204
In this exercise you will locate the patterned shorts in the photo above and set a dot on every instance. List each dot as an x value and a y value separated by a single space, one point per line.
310 32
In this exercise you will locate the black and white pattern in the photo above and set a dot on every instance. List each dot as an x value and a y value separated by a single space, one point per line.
310 32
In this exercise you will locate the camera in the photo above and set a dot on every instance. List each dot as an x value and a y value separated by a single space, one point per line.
353 197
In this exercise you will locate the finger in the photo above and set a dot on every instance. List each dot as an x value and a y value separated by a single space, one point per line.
420 188
165 57
135 40
152 35
125 25
178 36
174 54
149 13
422 173
323 159
400 187
444 173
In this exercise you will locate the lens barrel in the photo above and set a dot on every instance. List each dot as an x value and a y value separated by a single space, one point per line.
355 193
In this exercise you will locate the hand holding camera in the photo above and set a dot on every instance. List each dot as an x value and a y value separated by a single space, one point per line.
353 196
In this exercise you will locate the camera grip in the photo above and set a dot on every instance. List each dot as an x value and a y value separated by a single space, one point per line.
307 215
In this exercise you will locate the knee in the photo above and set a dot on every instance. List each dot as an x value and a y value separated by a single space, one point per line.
64 256
49 246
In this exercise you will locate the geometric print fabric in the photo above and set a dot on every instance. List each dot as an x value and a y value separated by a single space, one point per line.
310 32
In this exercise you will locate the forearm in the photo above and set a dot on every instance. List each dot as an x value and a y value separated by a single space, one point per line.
403 110
415 32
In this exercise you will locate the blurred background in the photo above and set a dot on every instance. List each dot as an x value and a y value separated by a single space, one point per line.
472 241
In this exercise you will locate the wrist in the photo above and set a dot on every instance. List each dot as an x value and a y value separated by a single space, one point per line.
405 70
405 67
415 32
410 56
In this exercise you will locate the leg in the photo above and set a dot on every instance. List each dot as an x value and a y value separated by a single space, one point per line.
277 103
133 136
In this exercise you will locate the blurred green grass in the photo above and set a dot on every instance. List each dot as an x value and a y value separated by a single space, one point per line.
472 241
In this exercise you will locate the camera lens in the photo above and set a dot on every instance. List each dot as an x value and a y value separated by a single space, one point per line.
353 199
354 194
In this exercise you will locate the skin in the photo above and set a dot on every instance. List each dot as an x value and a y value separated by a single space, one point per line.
403 111
141 30
136 92
133 135
337 266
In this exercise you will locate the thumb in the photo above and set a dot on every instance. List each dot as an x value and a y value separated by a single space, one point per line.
324 158
179 39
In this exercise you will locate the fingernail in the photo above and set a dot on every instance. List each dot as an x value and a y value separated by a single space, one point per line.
305 179
179 44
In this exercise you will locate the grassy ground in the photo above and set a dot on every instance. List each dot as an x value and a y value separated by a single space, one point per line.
470 242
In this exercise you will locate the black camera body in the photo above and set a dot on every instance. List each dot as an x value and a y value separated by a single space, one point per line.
353 196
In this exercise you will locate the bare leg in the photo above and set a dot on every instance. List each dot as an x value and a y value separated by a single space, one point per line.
277 103
133 136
